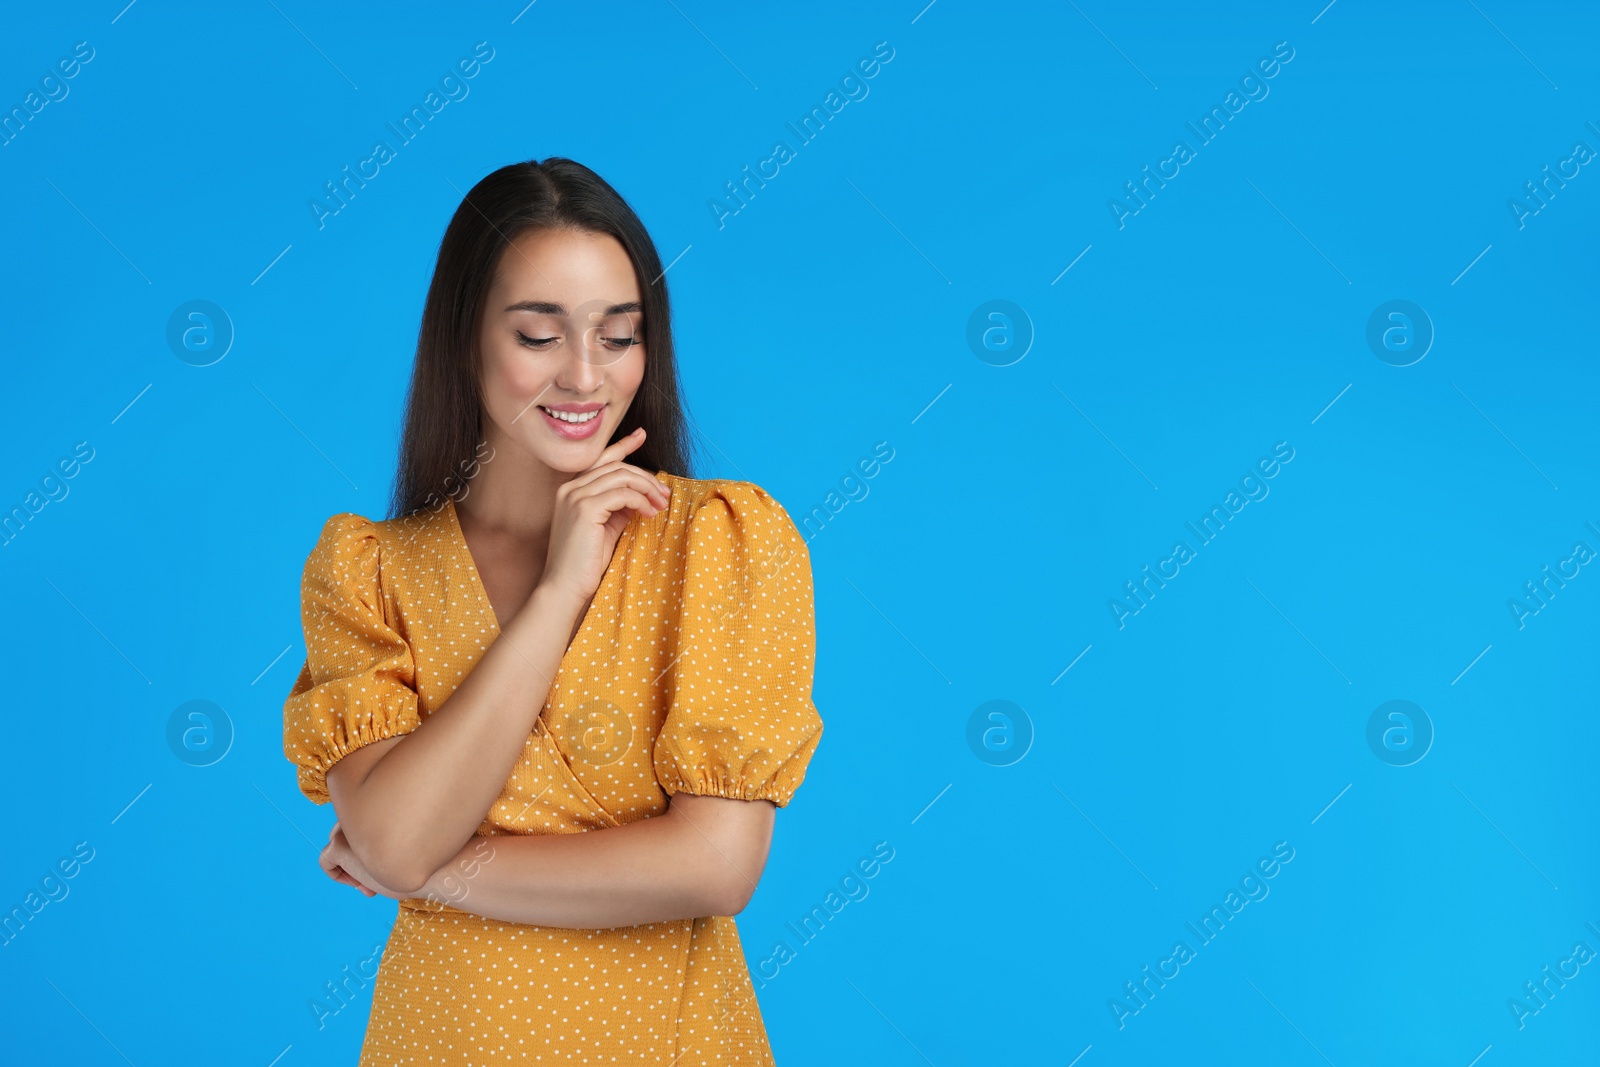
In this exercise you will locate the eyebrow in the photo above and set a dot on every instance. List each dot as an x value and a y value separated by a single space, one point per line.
549 307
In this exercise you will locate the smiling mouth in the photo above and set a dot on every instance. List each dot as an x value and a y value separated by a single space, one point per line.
575 417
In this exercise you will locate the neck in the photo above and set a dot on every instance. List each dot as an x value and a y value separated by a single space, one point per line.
513 493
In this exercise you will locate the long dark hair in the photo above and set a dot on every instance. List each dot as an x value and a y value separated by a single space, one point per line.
443 433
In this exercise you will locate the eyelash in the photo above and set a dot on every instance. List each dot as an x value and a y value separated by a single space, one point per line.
542 343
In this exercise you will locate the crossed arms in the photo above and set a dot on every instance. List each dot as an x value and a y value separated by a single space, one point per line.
409 808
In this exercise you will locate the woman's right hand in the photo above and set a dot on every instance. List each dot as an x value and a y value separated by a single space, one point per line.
590 512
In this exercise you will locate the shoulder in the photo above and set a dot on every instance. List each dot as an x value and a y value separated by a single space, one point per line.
346 548
351 546
344 533
347 532
736 540
345 526
727 510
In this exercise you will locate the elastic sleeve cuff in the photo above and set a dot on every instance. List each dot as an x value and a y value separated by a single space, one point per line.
358 684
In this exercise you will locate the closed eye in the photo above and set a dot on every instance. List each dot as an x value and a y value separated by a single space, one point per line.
617 343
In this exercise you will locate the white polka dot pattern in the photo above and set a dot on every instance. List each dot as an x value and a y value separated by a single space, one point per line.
742 724
700 642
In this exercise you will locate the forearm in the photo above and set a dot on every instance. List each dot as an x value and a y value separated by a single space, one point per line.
427 792
672 866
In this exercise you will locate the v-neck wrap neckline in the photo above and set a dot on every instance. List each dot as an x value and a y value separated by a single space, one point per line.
602 593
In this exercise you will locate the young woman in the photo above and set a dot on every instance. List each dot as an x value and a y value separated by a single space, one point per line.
556 698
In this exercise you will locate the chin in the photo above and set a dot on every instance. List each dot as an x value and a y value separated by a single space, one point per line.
568 459
573 458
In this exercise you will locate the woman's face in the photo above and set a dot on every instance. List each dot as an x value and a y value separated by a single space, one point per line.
562 345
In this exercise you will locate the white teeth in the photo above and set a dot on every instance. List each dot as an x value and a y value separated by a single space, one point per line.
569 416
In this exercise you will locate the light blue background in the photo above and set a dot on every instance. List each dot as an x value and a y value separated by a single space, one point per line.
828 315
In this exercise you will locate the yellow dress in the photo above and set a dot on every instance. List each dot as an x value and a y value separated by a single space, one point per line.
691 672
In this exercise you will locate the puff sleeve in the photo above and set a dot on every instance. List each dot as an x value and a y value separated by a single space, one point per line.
741 722
358 682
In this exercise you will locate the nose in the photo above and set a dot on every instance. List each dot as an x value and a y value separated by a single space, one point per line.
583 370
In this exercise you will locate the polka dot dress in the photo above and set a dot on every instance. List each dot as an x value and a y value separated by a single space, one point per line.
691 672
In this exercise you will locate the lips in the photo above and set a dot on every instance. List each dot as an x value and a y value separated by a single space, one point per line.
572 421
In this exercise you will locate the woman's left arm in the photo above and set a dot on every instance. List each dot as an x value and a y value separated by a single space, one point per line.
703 856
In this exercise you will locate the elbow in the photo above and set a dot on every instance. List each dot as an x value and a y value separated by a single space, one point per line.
723 844
387 844
402 867
731 895
723 900
736 899
390 859
402 878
